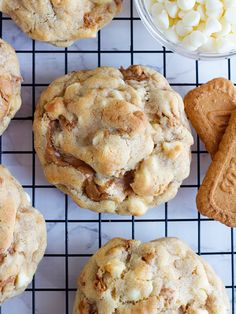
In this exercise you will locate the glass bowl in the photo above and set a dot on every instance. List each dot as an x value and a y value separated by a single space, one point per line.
160 37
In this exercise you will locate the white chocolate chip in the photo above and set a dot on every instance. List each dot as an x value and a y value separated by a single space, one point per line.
214 8
201 11
210 45
185 5
172 9
115 267
182 30
171 35
134 294
157 8
162 20
195 40
204 25
137 206
212 26
99 136
225 28
172 150
22 280
192 18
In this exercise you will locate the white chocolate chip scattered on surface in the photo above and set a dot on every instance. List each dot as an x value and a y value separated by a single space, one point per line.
199 25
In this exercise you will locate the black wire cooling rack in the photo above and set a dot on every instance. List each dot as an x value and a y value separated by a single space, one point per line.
101 219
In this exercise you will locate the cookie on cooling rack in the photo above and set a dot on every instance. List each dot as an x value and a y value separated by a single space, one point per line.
61 22
22 237
10 85
162 276
116 141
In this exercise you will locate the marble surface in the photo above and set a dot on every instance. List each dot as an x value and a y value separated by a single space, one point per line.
56 272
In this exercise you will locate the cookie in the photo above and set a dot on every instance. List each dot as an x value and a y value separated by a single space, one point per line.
22 237
209 108
116 141
10 85
160 277
217 195
61 22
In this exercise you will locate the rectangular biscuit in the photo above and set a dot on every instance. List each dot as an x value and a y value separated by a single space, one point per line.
216 197
209 108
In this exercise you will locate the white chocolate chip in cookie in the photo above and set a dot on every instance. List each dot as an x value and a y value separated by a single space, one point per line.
22 280
99 136
115 268
136 206
133 294
172 150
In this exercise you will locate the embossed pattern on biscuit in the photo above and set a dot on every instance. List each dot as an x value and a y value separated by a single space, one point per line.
209 108
217 195
223 193
117 141
228 183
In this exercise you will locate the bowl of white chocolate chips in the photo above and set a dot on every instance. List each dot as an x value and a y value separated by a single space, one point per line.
199 29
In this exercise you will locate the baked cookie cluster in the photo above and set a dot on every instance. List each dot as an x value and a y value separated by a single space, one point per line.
162 276
115 140
61 22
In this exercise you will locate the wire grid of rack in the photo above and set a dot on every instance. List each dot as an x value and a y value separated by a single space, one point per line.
68 229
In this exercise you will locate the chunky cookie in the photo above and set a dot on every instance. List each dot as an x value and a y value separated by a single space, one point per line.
61 22
22 237
217 195
10 85
116 141
159 277
209 107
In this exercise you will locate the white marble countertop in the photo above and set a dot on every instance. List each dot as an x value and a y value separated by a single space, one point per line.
56 272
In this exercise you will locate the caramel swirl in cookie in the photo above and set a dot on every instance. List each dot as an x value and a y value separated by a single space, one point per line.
115 140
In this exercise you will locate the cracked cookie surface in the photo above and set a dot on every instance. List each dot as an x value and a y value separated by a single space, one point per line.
22 237
10 85
160 277
61 22
116 141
